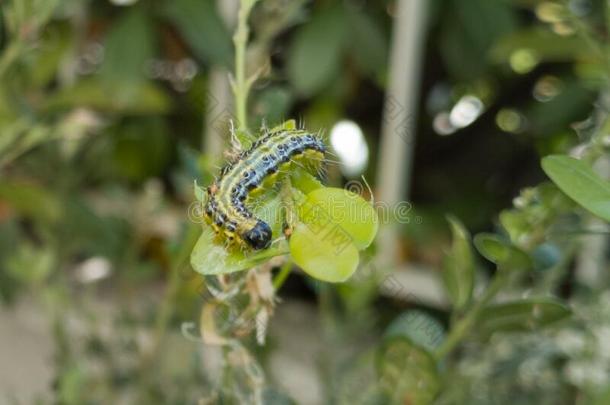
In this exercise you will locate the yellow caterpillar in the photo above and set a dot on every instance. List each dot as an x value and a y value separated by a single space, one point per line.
226 208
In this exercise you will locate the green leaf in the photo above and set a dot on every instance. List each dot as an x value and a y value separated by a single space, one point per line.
29 264
599 397
288 125
44 63
515 223
491 247
273 103
200 193
21 136
315 55
547 45
31 200
128 46
458 266
523 315
141 147
501 252
576 178
407 373
319 257
422 329
472 28
145 99
553 116
209 257
202 28
352 213
369 45
484 22
334 225
273 397
305 181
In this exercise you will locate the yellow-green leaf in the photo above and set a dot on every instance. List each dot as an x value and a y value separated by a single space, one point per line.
407 373
578 180
458 266
522 315
349 211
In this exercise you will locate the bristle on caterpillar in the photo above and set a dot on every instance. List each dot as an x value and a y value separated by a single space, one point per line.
276 152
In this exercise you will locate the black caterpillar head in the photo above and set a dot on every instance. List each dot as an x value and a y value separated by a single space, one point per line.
258 237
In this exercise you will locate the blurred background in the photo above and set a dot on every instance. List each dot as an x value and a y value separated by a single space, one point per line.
109 109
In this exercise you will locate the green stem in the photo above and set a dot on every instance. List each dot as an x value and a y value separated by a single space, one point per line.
291 218
282 276
461 329
288 203
241 85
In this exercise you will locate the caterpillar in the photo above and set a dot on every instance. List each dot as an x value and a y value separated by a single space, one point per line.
226 209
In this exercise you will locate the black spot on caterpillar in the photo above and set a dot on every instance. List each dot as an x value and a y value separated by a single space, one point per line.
226 208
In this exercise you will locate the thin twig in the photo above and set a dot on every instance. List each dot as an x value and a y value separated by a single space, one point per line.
461 329
241 85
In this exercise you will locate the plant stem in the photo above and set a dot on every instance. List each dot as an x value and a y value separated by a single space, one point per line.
282 276
459 331
288 203
291 217
241 85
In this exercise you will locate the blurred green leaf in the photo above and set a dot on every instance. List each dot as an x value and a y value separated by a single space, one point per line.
31 200
92 93
458 266
501 252
10 231
315 54
578 180
21 136
599 397
71 385
128 46
91 234
369 46
273 397
44 65
468 32
202 28
523 315
419 327
573 103
273 103
515 223
200 192
407 373
485 22
31 265
547 45
141 148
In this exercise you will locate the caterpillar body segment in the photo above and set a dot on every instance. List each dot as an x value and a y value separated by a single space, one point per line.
254 170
